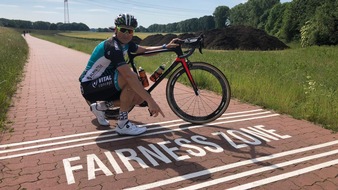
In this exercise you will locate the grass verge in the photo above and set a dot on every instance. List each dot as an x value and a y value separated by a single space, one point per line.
13 55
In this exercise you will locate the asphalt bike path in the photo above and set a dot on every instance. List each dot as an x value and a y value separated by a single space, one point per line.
56 143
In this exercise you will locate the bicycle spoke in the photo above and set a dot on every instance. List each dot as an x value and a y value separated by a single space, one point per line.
207 105
200 105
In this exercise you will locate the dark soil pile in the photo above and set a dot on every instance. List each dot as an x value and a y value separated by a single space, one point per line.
136 39
230 38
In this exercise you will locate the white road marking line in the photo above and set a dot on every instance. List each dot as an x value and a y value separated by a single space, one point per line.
238 116
130 137
109 130
241 112
285 175
258 170
112 135
53 138
229 166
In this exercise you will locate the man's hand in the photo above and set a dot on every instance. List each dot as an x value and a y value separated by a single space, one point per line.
154 109
172 43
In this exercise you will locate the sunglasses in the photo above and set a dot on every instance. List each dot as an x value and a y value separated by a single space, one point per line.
125 30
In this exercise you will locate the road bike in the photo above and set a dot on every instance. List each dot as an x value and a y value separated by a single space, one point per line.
196 92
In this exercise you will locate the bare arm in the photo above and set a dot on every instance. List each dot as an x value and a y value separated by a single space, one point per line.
142 49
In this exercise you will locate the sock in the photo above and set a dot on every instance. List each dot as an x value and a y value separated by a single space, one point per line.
123 118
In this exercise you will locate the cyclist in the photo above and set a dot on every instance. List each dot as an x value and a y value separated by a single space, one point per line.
108 80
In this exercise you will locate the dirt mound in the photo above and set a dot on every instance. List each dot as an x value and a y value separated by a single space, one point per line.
136 39
157 39
234 37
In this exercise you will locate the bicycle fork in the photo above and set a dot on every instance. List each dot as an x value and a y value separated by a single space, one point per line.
186 64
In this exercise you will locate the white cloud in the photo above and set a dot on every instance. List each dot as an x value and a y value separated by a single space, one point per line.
45 12
97 10
9 6
39 6
51 1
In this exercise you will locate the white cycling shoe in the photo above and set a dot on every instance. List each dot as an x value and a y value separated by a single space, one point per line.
130 129
99 115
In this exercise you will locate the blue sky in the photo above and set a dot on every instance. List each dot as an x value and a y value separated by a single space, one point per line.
101 13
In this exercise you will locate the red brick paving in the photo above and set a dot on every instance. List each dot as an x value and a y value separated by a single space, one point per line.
48 104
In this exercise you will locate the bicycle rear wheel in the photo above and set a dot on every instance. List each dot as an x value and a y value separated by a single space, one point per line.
213 97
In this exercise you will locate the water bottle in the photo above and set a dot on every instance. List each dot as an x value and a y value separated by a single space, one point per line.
143 77
157 73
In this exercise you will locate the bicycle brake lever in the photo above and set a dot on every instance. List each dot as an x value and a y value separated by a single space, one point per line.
201 43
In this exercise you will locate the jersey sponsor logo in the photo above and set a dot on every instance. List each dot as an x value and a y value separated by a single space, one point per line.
97 69
116 45
105 79
94 84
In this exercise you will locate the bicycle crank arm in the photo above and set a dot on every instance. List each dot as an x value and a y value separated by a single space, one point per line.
143 104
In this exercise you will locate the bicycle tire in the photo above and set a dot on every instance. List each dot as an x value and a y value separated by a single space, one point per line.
188 106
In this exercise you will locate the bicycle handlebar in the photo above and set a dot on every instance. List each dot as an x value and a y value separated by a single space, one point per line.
193 43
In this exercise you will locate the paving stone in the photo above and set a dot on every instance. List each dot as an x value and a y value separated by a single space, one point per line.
48 109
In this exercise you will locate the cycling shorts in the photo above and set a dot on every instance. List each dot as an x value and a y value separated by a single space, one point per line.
104 88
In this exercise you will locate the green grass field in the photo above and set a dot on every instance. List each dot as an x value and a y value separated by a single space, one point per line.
301 82
13 55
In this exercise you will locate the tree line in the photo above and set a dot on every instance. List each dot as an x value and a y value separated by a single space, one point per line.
42 25
309 21
312 22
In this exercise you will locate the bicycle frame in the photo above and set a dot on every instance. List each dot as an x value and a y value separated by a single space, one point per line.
208 108
179 59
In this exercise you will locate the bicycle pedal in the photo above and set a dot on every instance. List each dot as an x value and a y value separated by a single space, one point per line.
112 114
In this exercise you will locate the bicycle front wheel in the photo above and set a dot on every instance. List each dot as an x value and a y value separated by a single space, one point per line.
213 93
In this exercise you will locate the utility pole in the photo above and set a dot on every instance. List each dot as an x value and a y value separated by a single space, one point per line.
66 13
